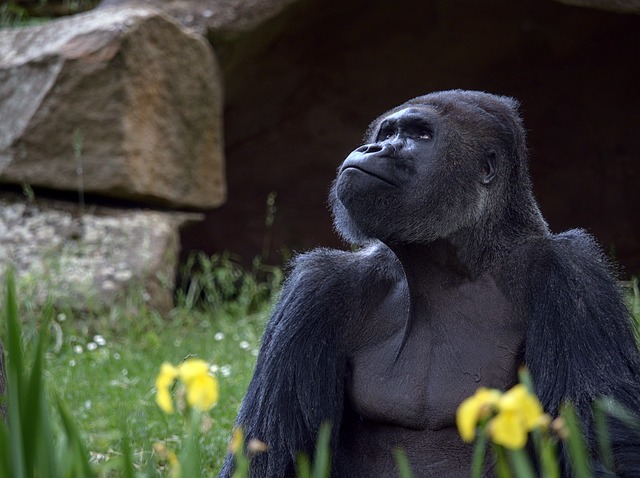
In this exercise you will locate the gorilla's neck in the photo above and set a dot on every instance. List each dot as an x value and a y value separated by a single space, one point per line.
470 252
427 264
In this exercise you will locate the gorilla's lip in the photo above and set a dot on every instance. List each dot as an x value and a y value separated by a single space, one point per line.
375 175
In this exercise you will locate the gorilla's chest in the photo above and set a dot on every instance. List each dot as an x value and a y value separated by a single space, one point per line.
430 358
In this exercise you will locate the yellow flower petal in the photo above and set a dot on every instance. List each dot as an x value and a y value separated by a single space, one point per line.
508 429
191 369
527 405
473 409
202 392
163 399
167 375
236 441
164 381
174 463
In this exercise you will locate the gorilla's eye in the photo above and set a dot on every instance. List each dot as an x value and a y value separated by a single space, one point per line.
384 135
424 135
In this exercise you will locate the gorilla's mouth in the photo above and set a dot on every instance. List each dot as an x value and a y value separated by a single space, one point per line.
369 173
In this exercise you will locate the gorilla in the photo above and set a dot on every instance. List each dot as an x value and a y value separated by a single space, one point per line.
455 283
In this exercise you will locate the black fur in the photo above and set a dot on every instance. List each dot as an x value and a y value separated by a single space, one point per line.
457 283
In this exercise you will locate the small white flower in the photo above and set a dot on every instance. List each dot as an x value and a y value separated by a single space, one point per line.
87 405
91 346
225 370
61 317
125 372
214 368
116 356
77 349
72 363
244 345
99 339
219 336
254 352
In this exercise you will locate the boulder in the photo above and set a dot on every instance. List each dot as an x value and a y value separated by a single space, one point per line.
120 102
218 19
91 260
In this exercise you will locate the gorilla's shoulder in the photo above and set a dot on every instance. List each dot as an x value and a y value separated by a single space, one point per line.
334 267
374 258
573 253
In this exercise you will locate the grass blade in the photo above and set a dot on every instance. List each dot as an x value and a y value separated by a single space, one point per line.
479 452
577 447
404 468
15 382
78 454
190 455
602 432
521 465
303 469
322 458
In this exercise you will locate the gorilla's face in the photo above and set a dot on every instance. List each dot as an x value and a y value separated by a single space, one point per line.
417 180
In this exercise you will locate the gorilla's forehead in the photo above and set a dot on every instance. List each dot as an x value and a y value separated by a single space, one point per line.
424 112
463 105
420 111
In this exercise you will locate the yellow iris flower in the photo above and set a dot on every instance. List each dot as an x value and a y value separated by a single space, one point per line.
519 413
164 381
201 388
473 409
514 414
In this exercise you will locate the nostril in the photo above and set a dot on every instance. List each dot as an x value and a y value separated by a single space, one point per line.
369 148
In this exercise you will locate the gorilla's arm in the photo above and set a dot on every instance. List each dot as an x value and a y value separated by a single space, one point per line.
580 342
299 378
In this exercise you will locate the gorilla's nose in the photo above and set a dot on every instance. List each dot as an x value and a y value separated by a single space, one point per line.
379 149
369 148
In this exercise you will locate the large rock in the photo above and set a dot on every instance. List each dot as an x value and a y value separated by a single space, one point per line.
219 19
93 260
120 102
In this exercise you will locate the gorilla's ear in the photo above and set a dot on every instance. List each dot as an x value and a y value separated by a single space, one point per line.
489 167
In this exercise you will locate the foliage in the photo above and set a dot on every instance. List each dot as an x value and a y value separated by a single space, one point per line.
15 13
25 445
506 420
219 283
102 367
12 14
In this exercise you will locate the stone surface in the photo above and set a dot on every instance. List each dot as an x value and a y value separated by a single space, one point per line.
301 100
621 6
119 102
218 19
90 261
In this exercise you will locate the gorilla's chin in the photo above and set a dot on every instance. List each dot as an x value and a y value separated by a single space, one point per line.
343 222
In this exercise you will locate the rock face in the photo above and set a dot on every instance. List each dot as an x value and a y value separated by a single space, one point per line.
118 102
218 19
90 261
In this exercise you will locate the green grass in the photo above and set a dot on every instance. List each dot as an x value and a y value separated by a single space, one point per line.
112 386
103 367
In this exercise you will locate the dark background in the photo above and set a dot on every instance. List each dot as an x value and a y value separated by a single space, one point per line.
301 90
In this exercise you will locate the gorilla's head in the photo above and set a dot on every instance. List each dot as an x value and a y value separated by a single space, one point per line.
431 167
